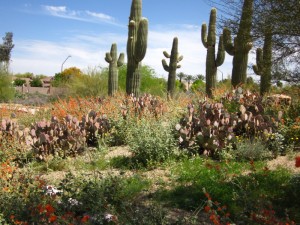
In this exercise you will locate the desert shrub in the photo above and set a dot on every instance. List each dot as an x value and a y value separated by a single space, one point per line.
19 82
36 82
245 150
7 91
94 83
151 141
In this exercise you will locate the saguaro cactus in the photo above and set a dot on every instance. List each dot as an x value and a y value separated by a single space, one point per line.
172 67
114 63
242 45
136 46
209 42
263 65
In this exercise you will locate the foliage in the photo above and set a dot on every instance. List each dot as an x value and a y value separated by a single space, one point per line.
36 82
7 90
151 141
246 150
71 72
19 82
94 83
5 50
24 75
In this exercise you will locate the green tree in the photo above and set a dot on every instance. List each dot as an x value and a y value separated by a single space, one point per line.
5 50
36 82
181 76
189 79
19 82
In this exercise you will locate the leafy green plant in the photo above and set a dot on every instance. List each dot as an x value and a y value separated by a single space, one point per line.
246 150
36 82
7 91
19 82
151 141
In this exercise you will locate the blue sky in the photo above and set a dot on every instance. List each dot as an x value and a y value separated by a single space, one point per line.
47 32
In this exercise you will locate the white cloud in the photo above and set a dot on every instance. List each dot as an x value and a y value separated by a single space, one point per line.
100 15
81 15
46 57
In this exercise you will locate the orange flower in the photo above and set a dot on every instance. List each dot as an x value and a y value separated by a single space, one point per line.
85 219
297 164
207 208
52 218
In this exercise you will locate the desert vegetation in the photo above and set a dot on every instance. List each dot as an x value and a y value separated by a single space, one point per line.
121 146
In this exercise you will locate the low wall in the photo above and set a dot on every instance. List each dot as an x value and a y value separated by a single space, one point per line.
41 90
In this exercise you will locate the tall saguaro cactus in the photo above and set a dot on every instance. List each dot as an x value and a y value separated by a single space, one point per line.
136 46
114 63
241 46
172 67
263 65
209 42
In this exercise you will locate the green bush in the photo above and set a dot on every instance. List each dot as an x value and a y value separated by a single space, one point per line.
36 82
7 91
19 82
245 150
94 83
151 141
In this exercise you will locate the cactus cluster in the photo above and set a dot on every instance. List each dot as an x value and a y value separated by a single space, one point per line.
209 42
136 47
114 63
175 58
210 127
68 137
142 106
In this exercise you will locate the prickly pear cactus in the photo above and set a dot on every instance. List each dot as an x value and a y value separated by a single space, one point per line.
136 47
241 46
209 42
175 58
114 63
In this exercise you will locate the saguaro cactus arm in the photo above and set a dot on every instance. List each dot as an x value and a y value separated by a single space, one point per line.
165 65
221 52
121 60
228 45
141 42
204 35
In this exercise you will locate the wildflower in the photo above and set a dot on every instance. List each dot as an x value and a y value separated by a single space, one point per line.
52 218
85 219
297 164
207 208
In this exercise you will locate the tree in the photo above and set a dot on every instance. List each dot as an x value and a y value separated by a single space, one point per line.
19 82
36 82
189 79
181 76
5 49
71 72
283 18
